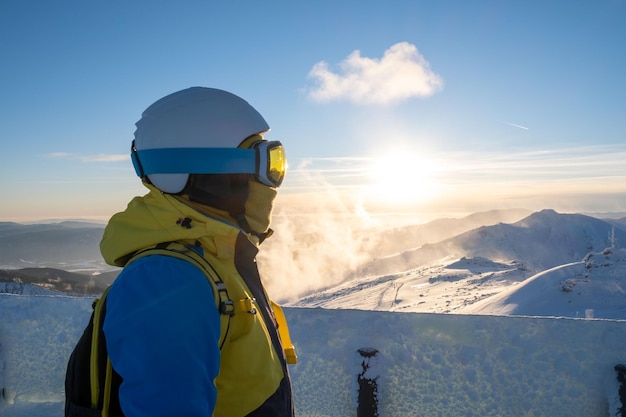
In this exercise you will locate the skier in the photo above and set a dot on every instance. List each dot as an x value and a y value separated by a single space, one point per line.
212 179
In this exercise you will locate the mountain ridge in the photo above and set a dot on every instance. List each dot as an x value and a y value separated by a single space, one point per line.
467 273
531 237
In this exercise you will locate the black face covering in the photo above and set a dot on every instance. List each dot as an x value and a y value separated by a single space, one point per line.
247 202
227 192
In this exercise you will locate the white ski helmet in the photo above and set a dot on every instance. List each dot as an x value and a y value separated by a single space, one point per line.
184 123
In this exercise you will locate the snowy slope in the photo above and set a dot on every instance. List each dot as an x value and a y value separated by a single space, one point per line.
594 287
475 271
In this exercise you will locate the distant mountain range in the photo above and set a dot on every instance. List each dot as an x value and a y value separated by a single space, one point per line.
400 239
70 245
540 241
511 245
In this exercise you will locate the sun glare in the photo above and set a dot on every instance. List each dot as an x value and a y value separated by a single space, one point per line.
402 178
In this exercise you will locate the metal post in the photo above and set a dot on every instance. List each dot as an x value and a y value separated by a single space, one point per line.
621 378
367 380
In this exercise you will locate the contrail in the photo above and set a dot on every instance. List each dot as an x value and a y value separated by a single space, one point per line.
514 125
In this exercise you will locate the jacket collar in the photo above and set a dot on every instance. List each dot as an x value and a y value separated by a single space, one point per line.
159 217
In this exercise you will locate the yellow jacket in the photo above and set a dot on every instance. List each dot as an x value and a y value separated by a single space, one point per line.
253 378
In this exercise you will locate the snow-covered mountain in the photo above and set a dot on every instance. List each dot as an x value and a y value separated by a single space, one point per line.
540 241
400 239
572 257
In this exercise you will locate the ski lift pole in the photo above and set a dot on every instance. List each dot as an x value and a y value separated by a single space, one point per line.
367 380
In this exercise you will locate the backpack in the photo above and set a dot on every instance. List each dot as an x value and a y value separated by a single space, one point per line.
91 384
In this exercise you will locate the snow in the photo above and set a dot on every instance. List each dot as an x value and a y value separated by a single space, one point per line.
37 333
595 288
469 334
461 365
429 364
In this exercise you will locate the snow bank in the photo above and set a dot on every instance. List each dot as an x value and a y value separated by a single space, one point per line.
37 333
430 364
459 365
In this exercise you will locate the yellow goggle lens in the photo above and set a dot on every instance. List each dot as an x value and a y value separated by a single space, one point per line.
277 164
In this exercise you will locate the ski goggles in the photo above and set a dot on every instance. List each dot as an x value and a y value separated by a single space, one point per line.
266 160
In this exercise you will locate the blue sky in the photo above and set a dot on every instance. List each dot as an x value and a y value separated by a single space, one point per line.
405 106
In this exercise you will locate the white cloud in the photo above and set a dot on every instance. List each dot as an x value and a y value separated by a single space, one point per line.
89 158
514 125
105 158
400 74
60 155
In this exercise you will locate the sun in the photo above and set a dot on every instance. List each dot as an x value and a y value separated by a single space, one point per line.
402 177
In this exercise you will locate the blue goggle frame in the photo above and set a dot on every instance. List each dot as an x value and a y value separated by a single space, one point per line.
265 160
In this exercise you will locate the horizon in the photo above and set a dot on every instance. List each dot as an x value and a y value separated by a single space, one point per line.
379 221
443 108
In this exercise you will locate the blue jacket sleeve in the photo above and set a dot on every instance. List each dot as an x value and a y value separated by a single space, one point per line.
162 331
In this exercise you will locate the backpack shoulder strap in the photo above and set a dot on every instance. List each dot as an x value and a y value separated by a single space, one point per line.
94 359
223 301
